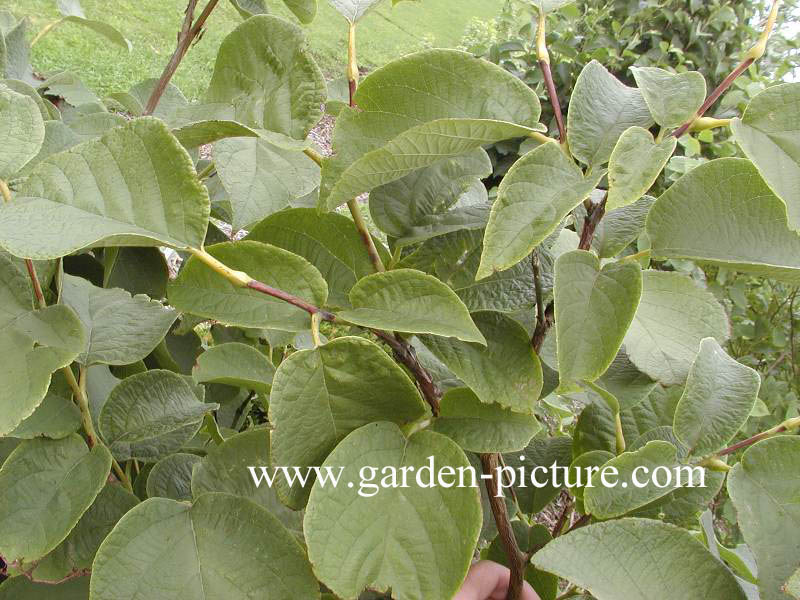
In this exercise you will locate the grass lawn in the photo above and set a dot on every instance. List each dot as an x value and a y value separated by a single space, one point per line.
152 26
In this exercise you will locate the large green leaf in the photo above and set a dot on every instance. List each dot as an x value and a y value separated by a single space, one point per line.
506 371
769 134
722 213
56 417
353 10
171 477
235 364
268 563
21 588
600 110
447 196
480 427
135 186
121 328
45 487
534 197
77 551
201 291
111 33
150 415
593 309
262 178
719 396
635 163
329 241
634 486
330 391
416 540
763 487
675 314
410 301
638 559
21 131
264 68
418 110
226 468
304 10
550 5
673 98
33 344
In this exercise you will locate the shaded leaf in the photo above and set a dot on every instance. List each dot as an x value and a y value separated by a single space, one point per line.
534 197
131 561
21 131
235 364
402 532
410 301
635 164
171 477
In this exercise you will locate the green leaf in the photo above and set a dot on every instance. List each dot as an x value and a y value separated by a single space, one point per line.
635 487
25 89
235 364
329 241
480 427
410 301
45 487
593 309
248 8
171 477
135 186
416 540
418 110
635 164
266 559
150 415
261 178
121 328
333 390
21 132
719 396
304 10
600 110
536 460
198 133
170 106
77 551
661 562
137 270
56 417
722 213
506 371
673 98
201 291
21 588
353 10
627 383
768 135
264 68
534 197
73 90
447 196
33 344
763 487
226 469
673 317
792 586
620 227
112 34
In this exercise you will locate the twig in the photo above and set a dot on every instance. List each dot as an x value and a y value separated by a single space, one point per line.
543 57
186 36
591 222
787 425
516 558
755 53
403 351
562 519
579 523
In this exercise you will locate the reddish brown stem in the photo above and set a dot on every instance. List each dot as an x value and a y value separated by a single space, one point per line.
782 428
562 519
291 299
187 35
516 558
721 89
553 94
579 523
37 287
590 224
